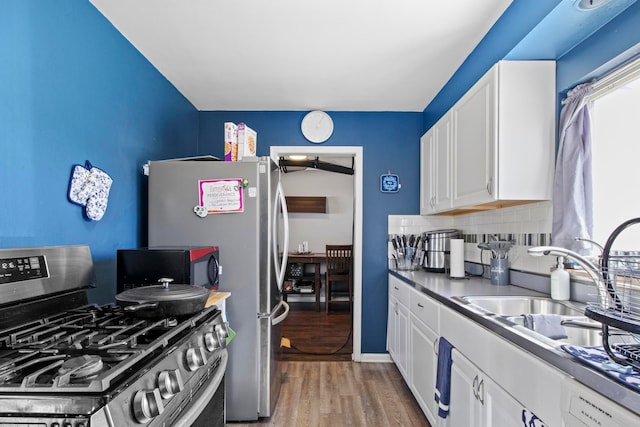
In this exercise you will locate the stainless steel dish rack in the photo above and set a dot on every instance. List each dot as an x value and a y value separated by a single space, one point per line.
618 301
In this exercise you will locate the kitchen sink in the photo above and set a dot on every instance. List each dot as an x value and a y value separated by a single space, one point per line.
580 331
508 310
518 305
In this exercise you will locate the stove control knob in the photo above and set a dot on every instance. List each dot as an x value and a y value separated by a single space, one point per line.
211 341
147 404
170 383
195 358
223 333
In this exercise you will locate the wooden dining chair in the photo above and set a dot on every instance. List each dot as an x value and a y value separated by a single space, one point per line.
339 275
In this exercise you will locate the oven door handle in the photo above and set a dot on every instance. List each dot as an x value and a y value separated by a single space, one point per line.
198 406
283 316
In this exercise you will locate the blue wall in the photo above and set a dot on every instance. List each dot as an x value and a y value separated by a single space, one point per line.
73 88
613 44
390 142
514 25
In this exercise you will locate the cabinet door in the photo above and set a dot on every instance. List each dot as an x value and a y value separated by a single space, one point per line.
466 403
398 324
397 335
423 360
441 164
473 144
402 334
503 409
426 179
391 327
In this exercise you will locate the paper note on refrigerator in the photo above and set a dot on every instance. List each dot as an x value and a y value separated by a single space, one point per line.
221 195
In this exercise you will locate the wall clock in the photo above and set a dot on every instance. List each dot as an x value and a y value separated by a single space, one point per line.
317 126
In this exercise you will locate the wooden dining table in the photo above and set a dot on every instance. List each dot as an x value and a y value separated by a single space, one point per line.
315 258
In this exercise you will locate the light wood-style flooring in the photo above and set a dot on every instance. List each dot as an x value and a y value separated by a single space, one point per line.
335 394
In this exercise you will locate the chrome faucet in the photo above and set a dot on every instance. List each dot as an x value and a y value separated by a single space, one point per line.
593 242
592 270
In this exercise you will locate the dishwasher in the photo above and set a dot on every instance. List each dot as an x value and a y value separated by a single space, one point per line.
582 406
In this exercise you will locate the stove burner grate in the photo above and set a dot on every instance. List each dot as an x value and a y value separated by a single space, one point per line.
80 367
87 348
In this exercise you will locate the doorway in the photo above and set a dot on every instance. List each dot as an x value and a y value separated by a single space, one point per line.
356 154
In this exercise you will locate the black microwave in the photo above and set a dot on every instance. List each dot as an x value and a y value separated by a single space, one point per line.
198 266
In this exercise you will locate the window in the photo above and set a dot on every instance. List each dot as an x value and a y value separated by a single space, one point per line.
615 114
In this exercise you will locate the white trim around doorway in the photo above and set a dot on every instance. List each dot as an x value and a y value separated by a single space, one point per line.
357 154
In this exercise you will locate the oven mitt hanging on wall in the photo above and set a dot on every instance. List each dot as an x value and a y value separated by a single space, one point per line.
99 184
79 176
90 189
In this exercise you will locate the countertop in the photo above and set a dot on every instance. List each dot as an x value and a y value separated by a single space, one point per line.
442 288
216 297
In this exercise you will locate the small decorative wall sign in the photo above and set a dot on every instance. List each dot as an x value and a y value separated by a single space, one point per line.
221 195
389 183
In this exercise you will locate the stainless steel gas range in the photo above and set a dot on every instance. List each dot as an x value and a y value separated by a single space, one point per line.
66 363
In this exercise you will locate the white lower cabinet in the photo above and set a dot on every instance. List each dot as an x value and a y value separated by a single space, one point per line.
504 410
523 377
402 352
493 383
423 367
467 394
478 401
398 324
423 359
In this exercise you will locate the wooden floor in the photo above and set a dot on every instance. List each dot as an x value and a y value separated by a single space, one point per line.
317 335
335 394
323 387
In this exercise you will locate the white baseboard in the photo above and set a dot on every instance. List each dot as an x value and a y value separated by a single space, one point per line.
375 358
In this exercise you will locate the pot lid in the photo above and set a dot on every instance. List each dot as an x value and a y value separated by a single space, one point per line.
444 232
162 293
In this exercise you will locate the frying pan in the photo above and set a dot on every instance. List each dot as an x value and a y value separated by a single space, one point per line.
164 300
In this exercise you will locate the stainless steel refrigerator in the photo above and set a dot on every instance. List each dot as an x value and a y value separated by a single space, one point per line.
239 207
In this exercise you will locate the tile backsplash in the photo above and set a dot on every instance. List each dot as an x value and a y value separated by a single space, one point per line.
525 225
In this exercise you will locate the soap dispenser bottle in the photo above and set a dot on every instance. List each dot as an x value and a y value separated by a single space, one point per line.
560 283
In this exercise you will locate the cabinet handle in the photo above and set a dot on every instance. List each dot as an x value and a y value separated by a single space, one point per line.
420 305
395 287
435 346
489 186
474 387
481 392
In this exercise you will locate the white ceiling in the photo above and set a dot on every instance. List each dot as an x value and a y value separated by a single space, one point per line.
336 55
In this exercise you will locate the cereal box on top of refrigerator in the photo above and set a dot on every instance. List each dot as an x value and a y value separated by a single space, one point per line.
230 142
247 141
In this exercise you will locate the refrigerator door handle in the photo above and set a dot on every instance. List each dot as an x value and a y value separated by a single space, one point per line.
283 316
280 268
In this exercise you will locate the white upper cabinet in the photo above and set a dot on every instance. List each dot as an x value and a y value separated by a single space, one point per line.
497 142
473 148
435 169
426 175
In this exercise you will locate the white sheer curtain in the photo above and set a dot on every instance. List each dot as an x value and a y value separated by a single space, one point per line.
572 192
